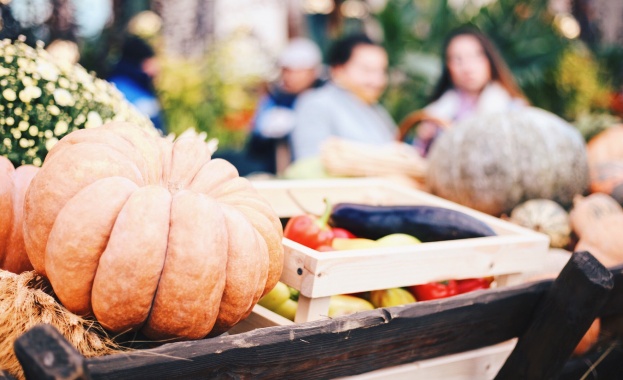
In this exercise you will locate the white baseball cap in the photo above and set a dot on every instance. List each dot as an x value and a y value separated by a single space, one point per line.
300 53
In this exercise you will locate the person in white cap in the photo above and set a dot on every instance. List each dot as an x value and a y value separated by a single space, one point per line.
347 107
268 147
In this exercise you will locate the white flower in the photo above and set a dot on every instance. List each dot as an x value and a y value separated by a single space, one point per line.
27 81
9 50
36 161
80 119
29 93
63 97
17 111
49 144
33 130
48 134
16 134
23 125
24 143
50 86
47 70
22 62
53 110
9 121
9 94
60 127
63 82
93 120
4 71
34 91
7 142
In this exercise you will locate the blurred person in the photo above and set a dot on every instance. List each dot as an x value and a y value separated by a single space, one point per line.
133 75
474 79
347 106
268 146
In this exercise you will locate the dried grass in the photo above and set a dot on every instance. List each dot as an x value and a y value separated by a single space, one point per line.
27 300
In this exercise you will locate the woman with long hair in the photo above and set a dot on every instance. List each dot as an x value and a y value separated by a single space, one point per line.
474 79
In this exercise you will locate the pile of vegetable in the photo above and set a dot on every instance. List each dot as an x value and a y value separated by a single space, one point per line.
348 226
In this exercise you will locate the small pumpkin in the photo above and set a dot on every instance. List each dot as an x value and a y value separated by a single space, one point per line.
494 162
598 221
606 146
545 216
589 339
150 234
607 177
13 185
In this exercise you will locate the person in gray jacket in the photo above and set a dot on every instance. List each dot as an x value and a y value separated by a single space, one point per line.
347 106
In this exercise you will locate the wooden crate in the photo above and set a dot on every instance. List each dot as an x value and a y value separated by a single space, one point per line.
318 275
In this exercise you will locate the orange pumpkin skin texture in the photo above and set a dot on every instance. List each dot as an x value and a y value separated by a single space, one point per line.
598 220
13 185
606 146
149 234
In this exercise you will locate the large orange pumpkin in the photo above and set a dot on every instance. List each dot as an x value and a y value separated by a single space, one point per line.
13 185
150 234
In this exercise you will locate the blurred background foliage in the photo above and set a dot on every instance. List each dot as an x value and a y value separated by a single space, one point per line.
557 57
556 72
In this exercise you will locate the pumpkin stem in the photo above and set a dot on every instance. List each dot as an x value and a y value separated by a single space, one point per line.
174 187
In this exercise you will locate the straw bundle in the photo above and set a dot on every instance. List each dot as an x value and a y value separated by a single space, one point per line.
25 301
354 159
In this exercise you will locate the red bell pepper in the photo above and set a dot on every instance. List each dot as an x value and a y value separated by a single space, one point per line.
434 290
314 232
471 284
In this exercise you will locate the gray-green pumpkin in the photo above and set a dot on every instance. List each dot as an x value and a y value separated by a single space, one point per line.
494 162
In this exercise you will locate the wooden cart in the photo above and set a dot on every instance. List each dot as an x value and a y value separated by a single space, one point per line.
470 336
464 337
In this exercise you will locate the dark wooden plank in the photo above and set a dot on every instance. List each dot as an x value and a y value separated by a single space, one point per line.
343 346
45 354
615 300
571 304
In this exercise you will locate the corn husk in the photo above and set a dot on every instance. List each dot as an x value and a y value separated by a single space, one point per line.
354 159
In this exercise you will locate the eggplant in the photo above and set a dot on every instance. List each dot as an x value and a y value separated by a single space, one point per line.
427 223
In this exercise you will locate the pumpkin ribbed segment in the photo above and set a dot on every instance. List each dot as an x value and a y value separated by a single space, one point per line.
13 186
493 162
146 233
545 216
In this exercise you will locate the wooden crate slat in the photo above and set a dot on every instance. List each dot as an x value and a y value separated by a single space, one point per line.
340 272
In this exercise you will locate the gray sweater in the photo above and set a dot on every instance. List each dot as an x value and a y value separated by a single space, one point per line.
333 111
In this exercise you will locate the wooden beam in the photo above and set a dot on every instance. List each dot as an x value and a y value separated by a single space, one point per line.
564 315
45 354
343 346
614 305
